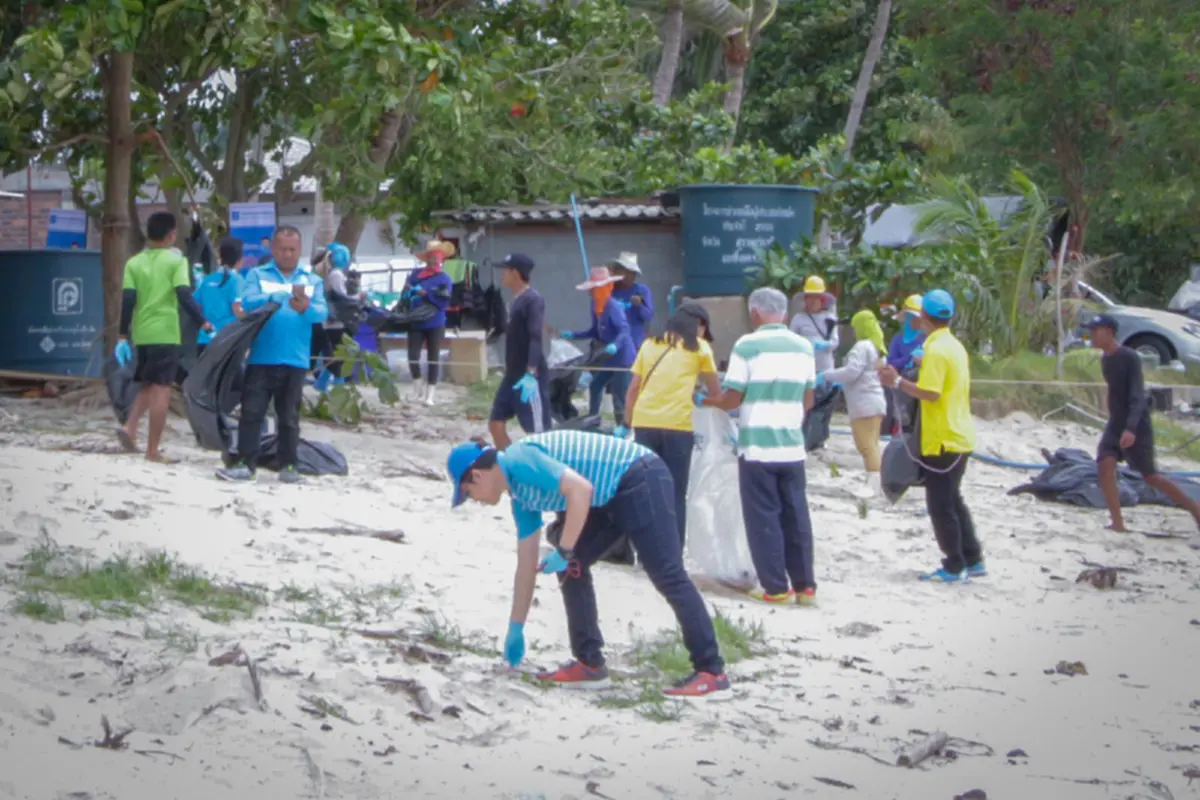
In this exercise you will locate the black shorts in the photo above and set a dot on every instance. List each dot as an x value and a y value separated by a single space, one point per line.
1140 457
157 364
534 416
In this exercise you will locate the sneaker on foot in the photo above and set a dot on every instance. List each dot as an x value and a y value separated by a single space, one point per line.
942 576
698 684
806 597
289 475
977 570
783 598
238 473
577 675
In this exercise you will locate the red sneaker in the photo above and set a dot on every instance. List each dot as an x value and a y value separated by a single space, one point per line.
576 675
699 684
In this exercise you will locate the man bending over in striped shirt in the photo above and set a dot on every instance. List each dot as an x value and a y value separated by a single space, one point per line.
608 488
771 377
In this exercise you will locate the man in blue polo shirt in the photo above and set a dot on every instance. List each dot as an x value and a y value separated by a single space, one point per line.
279 357
608 488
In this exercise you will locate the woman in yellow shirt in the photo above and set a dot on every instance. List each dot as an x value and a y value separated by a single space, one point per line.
658 405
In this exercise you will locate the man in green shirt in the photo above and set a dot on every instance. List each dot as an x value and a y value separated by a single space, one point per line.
157 284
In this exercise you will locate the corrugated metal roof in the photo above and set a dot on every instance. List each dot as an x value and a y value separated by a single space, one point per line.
555 212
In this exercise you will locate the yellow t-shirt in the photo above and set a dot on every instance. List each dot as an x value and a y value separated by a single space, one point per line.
665 400
946 424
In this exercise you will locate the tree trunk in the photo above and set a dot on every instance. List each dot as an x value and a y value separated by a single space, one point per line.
324 218
395 127
668 63
737 56
116 72
870 61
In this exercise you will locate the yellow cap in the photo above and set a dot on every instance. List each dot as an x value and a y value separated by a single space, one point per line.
913 303
814 285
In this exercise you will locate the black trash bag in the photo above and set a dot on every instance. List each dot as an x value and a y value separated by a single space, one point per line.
401 320
122 388
312 458
1072 477
899 471
621 551
564 382
817 418
213 388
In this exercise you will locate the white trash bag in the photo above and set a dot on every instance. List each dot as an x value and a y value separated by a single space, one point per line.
716 535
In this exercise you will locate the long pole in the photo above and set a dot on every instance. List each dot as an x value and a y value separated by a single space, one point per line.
587 272
1062 257
29 203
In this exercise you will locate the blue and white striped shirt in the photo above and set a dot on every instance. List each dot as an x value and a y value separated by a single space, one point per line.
534 467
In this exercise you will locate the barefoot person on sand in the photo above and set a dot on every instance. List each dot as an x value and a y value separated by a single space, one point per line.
608 488
947 438
1128 436
157 284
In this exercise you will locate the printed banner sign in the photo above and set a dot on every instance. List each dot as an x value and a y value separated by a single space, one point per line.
67 228
252 223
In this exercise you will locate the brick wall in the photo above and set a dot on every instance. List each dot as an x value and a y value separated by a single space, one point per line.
14 221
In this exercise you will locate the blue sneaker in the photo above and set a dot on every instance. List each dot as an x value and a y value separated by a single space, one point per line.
977 570
942 576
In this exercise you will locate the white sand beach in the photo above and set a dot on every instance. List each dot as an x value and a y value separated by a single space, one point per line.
839 690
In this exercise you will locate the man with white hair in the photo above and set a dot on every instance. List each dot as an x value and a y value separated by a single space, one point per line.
771 378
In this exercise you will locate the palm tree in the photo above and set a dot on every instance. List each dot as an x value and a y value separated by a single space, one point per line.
738 24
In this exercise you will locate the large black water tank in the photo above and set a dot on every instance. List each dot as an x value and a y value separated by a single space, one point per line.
51 312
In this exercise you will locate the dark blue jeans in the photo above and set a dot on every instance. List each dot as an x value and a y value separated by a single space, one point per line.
778 528
644 510
617 383
675 449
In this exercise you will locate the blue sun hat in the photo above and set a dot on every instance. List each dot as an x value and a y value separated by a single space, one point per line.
339 255
938 304
460 461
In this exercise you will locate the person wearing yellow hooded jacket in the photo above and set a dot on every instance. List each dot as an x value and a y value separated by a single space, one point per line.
865 401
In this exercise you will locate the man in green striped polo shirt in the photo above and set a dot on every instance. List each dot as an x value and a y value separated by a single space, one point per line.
771 379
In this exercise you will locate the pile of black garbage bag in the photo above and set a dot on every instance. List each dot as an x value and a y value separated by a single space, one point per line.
1071 477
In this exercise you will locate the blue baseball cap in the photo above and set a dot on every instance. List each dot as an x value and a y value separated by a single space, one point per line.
339 255
459 463
938 304
1101 321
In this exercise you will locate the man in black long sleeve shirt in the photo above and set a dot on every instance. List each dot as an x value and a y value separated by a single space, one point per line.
157 284
524 391
1128 436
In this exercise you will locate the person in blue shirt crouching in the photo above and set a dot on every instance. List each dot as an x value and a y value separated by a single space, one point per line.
279 357
608 488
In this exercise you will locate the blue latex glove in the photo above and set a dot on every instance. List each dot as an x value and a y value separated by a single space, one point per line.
514 643
123 352
553 562
585 380
566 335
698 398
621 432
610 349
820 379
528 387
821 344
406 293
919 352
420 291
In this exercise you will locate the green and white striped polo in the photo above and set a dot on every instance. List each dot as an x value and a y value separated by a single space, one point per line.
772 368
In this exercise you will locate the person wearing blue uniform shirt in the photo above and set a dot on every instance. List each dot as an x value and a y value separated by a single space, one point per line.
634 296
608 488
279 356
610 327
429 286
220 292
904 354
